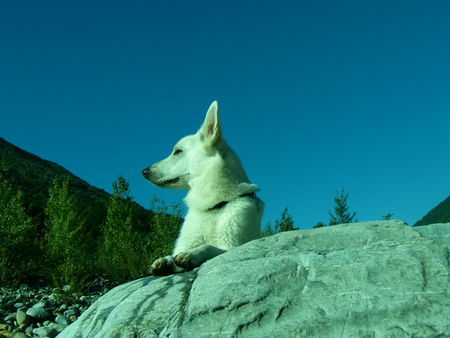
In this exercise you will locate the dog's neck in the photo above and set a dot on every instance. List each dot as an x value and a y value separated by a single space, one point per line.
222 204
222 181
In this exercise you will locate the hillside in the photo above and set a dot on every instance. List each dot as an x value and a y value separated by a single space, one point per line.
439 214
33 175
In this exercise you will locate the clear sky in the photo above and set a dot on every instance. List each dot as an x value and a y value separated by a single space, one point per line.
315 95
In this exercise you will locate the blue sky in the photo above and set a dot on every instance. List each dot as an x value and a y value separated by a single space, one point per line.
315 95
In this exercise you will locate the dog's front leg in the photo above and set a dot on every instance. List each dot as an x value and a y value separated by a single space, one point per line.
189 260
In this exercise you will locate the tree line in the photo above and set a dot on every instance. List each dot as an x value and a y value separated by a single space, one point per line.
67 251
340 215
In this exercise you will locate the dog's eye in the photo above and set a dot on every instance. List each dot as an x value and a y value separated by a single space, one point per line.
177 151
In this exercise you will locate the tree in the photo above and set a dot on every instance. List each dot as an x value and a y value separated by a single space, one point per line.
268 230
165 227
18 250
341 210
388 216
319 225
286 222
123 251
65 237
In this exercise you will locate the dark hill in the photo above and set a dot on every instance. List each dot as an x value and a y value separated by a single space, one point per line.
34 175
439 214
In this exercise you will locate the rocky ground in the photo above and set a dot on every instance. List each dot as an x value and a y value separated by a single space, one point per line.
43 311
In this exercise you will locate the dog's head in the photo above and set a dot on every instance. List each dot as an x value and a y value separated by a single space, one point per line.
190 155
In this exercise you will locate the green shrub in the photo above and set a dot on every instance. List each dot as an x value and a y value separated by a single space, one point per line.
165 227
18 248
65 240
123 251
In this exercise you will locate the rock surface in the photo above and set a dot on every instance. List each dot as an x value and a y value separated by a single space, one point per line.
373 279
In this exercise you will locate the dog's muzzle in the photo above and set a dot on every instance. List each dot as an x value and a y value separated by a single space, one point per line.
155 177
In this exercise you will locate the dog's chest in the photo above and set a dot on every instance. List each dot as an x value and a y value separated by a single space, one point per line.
207 224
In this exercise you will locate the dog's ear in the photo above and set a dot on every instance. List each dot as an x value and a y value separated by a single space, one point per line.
211 131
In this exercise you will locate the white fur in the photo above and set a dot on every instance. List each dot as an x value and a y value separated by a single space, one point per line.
212 173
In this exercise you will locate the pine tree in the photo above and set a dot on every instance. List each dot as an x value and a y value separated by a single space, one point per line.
286 223
319 225
268 230
341 210
18 250
65 237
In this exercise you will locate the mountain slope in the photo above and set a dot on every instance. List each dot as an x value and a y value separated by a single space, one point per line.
34 175
439 214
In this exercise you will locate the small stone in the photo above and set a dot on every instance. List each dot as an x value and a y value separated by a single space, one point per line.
29 330
10 318
57 327
20 335
39 304
69 313
38 312
19 305
5 327
45 332
62 320
73 318
63 307
21 317
46 323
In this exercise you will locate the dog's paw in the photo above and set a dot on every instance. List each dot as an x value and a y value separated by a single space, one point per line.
185 260
162 266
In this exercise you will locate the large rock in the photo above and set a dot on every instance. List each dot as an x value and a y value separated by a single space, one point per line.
374 279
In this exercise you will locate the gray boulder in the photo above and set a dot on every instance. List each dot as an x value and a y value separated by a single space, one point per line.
373 279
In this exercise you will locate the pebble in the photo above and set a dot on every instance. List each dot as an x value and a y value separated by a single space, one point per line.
28 312
38 312
40 304
57 327
10 318
20 335
45 332
29 330
21 317
69 313
62 320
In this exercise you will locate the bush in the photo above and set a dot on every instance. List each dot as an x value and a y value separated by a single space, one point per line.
19 248
165 227
65 238
124 252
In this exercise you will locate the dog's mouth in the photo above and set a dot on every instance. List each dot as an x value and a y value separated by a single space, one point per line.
158 179
171 181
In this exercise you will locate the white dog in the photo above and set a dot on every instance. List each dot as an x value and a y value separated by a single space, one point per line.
223 210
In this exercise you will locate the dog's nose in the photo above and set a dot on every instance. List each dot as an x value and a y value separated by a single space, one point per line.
145 172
